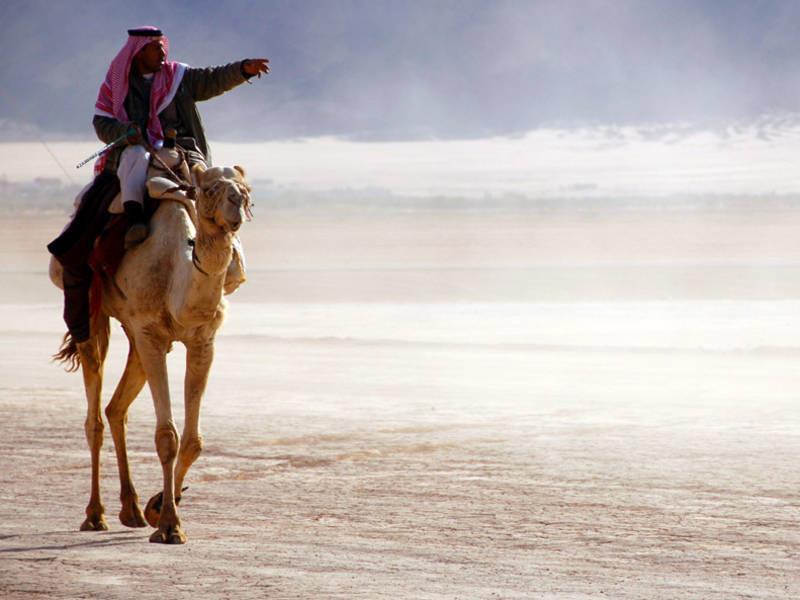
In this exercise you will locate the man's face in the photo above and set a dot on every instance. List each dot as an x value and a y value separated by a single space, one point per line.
150 59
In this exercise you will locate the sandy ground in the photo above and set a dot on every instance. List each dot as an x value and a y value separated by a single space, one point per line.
441 406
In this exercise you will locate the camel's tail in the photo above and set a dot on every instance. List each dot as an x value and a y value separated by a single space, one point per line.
67 354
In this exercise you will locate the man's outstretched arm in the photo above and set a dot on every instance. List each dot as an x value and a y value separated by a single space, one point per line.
213 81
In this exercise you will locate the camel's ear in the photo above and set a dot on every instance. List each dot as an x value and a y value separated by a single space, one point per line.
240 169
197 174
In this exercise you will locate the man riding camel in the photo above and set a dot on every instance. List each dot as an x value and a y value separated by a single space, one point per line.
143 95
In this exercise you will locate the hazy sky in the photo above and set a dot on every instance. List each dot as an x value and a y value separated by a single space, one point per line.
418 70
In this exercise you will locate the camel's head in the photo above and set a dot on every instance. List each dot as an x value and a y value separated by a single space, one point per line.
223 196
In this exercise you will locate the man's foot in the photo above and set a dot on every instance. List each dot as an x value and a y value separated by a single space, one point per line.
136 234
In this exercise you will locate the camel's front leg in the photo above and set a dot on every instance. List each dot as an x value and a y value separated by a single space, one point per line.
199 356
92 353
153 354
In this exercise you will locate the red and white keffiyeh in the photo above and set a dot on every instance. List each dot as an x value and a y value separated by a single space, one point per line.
111 98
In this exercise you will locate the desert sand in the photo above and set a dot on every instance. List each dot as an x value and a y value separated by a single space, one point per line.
440 405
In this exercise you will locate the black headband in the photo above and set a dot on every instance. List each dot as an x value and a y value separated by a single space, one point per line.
145 32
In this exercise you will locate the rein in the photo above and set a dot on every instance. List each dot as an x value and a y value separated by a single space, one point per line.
182 183
196 259
188 202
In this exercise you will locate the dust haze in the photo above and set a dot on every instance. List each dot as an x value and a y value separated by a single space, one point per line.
503 403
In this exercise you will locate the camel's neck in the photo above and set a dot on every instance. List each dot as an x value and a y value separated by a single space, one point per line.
213 248
212 255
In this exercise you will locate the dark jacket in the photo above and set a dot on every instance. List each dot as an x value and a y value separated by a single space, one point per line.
182 114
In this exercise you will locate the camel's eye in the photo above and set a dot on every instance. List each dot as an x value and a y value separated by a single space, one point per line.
234 198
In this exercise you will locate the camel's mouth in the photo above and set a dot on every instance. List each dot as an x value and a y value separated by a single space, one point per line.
226 226
223 224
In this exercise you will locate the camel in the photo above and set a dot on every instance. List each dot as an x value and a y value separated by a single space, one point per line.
165 290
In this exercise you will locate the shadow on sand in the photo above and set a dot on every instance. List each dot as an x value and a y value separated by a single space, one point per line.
129 537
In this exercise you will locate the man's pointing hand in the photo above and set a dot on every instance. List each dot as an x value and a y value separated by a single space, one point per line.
255 66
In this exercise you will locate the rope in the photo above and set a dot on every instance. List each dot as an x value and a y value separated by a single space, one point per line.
186 201
154 156
41 140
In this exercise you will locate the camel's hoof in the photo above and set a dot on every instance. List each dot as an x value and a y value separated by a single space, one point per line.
169 535
95 524
132 516
152 512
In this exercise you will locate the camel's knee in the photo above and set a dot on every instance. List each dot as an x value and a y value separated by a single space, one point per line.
116 414
90 355
94 430
191 447
167 443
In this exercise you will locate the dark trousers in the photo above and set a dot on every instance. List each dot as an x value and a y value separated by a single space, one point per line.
73 247
77 282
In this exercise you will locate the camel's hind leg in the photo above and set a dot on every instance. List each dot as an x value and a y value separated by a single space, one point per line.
198 364
129 386
153 354
92 354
